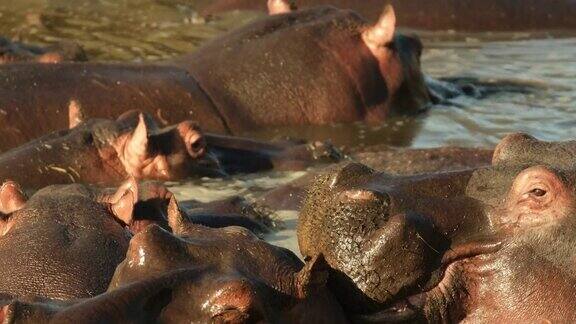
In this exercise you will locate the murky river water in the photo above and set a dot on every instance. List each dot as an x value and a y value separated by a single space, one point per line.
139 30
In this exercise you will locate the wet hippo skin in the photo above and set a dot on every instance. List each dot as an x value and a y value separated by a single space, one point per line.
256 76
103 90
106 152
466 15
200 275
492 244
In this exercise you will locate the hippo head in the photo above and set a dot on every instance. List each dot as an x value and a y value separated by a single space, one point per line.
495 244
64 241
147 151
324 57
358 46
239 277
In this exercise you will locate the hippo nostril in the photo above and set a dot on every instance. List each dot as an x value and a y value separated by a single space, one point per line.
197 146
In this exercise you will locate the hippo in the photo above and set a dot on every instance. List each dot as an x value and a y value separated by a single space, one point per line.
19 52
64 242
236 283
316 66
491 244
201 276
397 161
462 15
106 152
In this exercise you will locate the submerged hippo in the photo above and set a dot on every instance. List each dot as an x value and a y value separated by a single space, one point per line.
495 244
317 66
11 52
200 275
398 161
105 152
466 15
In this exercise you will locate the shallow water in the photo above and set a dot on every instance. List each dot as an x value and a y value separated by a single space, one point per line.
138 30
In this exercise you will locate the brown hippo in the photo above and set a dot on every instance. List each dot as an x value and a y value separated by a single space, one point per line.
101 151
495 244
466 15
204 276
315 66
105 152
64 242
18 52
397 161
243 279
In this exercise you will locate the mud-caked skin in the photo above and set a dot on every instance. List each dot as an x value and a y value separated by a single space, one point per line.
495 244
64 242
467 15
106 152
11 52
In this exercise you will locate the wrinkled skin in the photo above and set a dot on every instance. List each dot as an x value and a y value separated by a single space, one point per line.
11 52
106 152
467 15
495 244
396 161
221 90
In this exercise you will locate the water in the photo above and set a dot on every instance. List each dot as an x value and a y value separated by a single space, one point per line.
145 30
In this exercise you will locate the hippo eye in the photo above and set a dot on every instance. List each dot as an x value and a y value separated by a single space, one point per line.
537 192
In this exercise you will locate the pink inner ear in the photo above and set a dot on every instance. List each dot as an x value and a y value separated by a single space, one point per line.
11 197
382 32
277 7
75 113
137 145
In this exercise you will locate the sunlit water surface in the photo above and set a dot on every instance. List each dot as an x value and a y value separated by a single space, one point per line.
144 30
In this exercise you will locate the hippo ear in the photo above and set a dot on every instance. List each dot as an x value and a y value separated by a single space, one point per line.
176 220
313 276
123 201
137 146
278 7
75 113
11 197
511 147
382 33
